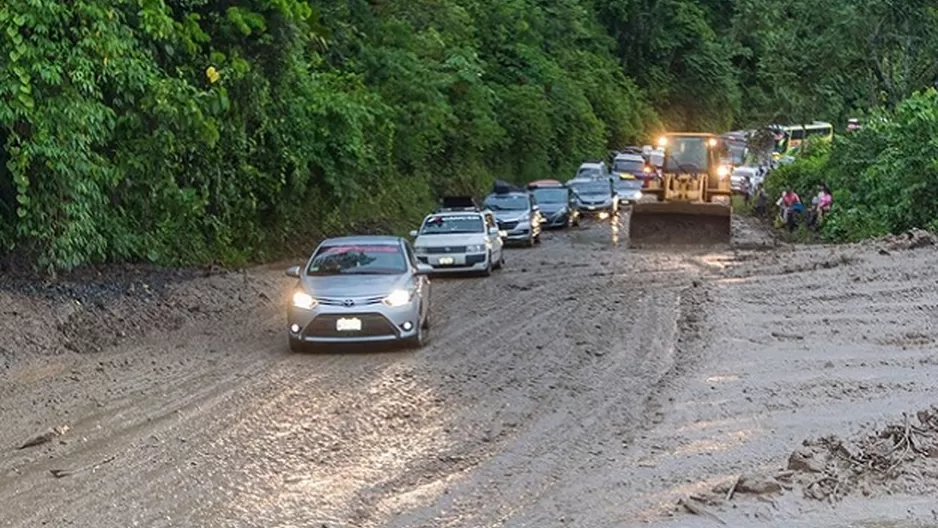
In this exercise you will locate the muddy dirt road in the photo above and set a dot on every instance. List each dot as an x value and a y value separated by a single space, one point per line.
585 385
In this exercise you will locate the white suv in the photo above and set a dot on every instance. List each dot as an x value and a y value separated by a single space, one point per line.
462 239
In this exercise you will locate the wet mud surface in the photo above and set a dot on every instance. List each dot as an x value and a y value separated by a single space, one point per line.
586 384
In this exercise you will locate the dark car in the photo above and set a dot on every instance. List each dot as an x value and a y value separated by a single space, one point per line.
632 164
628 189
557 202
595 196
517 213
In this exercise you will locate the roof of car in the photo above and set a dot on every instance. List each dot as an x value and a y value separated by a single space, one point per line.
456 212
591 164
363 239
637 157
545 183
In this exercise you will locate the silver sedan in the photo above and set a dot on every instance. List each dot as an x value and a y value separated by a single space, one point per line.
360 289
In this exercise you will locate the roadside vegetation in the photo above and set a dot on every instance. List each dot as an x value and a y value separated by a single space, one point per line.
190 132
883 177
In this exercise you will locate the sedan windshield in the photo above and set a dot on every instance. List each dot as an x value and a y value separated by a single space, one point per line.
507 202
628 185
448 224
628 166
358 260
553 195
589 172
593 187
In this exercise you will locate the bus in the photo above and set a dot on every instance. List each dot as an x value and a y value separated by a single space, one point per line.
788 138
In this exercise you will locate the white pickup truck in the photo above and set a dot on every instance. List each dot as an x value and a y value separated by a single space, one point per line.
460 239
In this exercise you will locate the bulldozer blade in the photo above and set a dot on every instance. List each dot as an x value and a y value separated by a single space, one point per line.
666 224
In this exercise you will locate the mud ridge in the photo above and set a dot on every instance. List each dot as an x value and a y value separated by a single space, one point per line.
94 310
900 458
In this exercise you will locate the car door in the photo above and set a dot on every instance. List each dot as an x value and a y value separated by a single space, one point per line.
491 232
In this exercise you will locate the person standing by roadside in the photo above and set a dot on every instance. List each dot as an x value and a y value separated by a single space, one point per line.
789 203
761 201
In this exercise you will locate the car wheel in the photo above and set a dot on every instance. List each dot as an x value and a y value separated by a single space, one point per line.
426 321
420 338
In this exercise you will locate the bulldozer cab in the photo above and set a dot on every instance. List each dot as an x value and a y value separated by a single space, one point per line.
691 199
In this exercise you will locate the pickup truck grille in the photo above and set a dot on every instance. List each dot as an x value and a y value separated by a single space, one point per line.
448 249
508 226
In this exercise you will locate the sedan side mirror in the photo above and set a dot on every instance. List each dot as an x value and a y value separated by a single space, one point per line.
293 271
413 233
424 269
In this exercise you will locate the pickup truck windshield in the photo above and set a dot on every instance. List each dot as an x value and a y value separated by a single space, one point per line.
449 224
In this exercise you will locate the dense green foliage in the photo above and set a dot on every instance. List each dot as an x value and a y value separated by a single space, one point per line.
884 176
191 131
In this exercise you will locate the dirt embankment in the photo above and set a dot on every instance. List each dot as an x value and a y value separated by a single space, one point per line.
584 385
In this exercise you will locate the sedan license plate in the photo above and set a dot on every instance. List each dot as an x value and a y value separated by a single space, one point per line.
349 325
446 261
592 208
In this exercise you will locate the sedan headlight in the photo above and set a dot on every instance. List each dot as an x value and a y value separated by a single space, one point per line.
478 248
303 300
398 298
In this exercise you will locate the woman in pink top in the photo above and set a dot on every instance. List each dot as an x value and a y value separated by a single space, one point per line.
822 205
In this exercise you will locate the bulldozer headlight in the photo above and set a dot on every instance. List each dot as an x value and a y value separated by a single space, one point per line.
722 171
662 141
712 142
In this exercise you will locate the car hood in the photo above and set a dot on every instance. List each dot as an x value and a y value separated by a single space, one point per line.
595 197
461 239
352 286
552 208
509 216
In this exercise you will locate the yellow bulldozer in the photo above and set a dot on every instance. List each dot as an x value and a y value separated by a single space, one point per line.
692 198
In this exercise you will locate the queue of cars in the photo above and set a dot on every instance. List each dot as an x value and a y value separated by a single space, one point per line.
365 289
370 289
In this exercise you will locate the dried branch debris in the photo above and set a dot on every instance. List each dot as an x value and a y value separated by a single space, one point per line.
898 458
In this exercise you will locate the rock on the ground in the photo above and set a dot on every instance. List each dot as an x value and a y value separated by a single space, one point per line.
807 460
758 485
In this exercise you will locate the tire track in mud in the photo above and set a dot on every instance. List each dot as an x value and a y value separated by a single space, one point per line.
522 408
